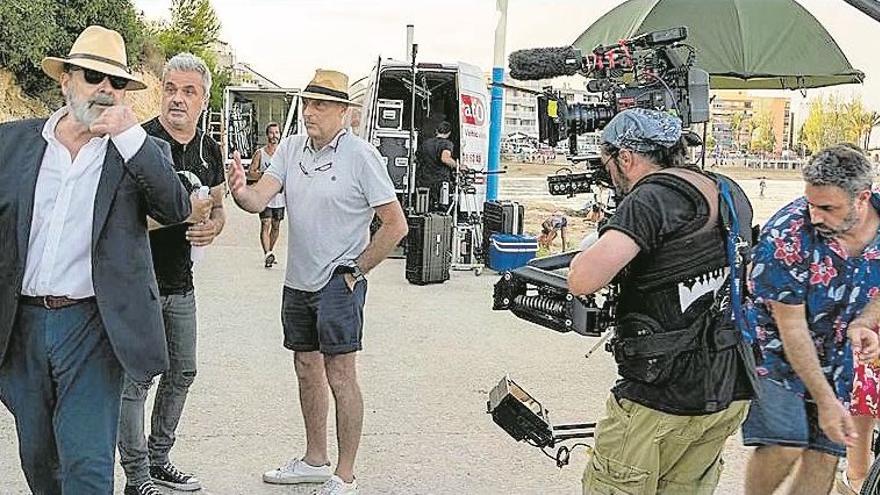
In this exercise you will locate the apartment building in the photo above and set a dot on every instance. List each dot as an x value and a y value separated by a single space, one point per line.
733 111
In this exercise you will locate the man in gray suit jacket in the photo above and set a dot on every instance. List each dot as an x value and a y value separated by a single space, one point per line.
78 297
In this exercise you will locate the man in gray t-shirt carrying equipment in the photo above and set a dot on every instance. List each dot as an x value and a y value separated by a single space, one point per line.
273 214
334 182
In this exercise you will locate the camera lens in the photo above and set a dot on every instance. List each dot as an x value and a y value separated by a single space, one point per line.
588 118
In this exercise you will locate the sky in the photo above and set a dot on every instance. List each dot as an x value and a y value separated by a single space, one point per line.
286 40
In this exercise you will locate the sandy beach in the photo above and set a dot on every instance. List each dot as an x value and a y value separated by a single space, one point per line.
526 183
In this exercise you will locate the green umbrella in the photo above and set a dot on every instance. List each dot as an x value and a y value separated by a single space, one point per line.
742 44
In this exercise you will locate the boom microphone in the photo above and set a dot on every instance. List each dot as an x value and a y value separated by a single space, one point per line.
545 63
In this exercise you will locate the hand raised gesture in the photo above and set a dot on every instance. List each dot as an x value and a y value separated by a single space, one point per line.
236 181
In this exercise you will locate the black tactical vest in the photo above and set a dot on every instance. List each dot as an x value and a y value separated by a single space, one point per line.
675 346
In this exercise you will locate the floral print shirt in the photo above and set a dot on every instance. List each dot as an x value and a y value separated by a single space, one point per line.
794 264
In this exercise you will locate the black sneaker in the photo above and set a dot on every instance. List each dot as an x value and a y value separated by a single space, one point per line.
170 476
145 488
270 260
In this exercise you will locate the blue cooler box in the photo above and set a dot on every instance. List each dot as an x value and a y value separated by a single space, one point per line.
509 251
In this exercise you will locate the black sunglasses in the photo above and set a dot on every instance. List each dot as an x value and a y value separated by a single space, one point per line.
95 77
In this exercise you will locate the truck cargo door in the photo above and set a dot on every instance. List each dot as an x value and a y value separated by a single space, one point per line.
293 122
473 99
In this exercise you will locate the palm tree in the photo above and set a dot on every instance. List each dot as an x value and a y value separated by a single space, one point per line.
875 121
740 124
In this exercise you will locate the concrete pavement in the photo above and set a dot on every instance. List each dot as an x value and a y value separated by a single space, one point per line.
430 356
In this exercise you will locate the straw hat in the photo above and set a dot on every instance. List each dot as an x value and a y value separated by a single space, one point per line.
328 85
97 48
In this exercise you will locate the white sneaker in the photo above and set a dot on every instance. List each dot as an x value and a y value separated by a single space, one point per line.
335 486
298 471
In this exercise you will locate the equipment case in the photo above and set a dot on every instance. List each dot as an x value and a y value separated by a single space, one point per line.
394 148
501 217
429 243
389 115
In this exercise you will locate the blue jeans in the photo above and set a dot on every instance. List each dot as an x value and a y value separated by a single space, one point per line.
136 454
62 383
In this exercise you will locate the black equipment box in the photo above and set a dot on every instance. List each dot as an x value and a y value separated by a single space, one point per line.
571 184
394 148
501 217
519 414
428 248
389 115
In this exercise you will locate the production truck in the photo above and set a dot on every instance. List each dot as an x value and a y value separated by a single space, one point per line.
456 93
402 104
247 111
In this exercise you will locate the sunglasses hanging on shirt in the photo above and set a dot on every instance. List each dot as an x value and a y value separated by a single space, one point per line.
323 168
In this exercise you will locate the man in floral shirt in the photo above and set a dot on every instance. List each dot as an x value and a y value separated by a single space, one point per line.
815 267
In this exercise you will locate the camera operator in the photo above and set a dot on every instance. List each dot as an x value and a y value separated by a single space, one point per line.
686 375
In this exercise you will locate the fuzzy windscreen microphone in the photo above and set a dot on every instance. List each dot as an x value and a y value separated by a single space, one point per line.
544 63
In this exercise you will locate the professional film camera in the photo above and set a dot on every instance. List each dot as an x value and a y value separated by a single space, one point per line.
653 70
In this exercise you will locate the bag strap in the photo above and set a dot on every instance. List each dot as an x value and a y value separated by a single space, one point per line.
737 249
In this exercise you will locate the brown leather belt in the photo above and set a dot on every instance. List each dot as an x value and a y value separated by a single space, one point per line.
53 302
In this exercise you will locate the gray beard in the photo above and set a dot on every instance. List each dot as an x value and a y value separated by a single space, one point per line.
83 110
622 187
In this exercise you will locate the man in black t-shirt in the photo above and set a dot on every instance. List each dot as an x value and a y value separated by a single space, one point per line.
436 165
685 373
198 163
186 83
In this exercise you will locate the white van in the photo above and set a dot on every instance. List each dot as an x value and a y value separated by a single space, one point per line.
456 93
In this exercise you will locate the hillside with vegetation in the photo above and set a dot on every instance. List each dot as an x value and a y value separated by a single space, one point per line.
34 29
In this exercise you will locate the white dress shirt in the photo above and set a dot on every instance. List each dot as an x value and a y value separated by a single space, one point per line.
59 260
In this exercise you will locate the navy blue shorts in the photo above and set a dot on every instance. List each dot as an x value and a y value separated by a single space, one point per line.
782 417
330 320
273 213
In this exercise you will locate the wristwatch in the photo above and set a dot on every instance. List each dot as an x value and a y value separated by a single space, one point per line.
357 273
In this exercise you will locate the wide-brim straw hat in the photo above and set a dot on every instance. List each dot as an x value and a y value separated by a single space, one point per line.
97 48
328 85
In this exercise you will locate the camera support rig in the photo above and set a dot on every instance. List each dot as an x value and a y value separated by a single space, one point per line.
539 295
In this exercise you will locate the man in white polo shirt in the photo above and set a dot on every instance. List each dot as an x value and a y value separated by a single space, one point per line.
334 182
